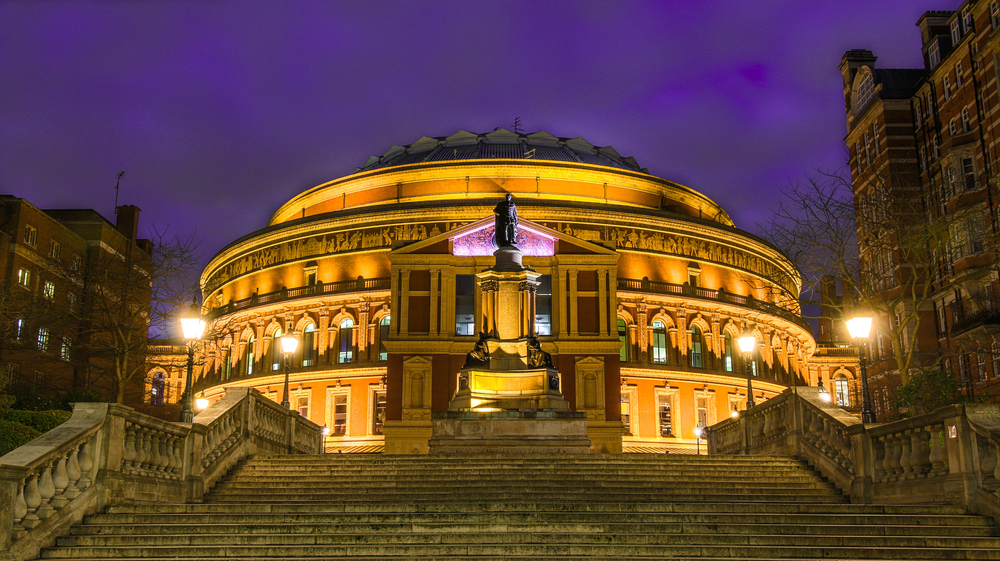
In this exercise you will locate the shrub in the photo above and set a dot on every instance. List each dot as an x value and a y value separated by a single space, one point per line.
41 421
14 434
929 389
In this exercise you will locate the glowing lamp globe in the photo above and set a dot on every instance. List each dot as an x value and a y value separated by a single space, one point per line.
192 325
289 343
746 342
859 326
824 394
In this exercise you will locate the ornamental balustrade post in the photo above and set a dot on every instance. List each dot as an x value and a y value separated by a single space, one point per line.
864 463
12 503
962 480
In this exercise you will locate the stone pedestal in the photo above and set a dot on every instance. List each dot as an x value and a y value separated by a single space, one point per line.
474 432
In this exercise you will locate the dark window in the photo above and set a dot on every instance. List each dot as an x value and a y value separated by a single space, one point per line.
623 337
696 344
274 351
346 347
543 306
158 387
379 418
665 416
659 342
309 345
383 334
465 305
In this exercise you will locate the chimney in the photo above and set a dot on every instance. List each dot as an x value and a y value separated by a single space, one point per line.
127 221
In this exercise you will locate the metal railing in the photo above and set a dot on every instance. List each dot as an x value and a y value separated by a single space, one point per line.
319 289
660 287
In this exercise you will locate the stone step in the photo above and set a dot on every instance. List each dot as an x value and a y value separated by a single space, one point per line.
236 517
462 526
527 507
580 497
437 550
491 536
534 483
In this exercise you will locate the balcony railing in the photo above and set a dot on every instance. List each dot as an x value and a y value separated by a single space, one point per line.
659 287
319 289
984 316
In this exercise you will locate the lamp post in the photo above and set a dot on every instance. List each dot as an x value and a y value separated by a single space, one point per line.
326 433
697 435
288 345
859 326
747 342
192 327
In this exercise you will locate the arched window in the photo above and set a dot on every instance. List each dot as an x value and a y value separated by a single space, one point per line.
274 352
156 392
247 361
346 353
309 345
727 352
841 391
864 93
623 337
659 342
383 334
696 345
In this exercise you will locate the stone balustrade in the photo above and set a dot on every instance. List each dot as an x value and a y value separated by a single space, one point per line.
108 454
949 456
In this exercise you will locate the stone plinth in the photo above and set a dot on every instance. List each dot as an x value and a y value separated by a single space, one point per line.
472 432
488 390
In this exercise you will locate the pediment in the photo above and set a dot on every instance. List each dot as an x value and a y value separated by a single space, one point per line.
475 239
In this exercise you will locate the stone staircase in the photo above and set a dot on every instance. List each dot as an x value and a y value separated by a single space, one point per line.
528 507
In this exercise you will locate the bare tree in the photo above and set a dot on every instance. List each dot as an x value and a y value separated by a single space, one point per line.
131 293
890 253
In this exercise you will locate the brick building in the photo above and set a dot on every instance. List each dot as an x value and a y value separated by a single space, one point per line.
923 148
49 336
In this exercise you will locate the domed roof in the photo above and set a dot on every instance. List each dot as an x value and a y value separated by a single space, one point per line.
501 144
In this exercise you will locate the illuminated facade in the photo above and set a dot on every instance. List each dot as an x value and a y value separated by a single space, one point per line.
645 286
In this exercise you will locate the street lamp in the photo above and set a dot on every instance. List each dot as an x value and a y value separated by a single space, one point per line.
860 326
288 345
747 342
326 433
192 327
823 393
697 434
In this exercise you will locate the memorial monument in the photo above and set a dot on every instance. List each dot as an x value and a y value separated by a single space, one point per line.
508 396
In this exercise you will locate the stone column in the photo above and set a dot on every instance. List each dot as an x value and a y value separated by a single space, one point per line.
324 333
602 303
434 299
573 326
403 304
559 303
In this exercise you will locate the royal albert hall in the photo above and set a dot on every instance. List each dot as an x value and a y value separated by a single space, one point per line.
645 287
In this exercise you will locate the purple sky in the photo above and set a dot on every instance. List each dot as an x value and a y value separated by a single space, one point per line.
219 112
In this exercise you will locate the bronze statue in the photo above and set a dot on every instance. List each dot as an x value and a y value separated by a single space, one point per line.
537 358
480 355
506 223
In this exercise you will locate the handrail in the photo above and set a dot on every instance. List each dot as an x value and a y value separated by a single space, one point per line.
318 289
948 456
108 454
660 287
